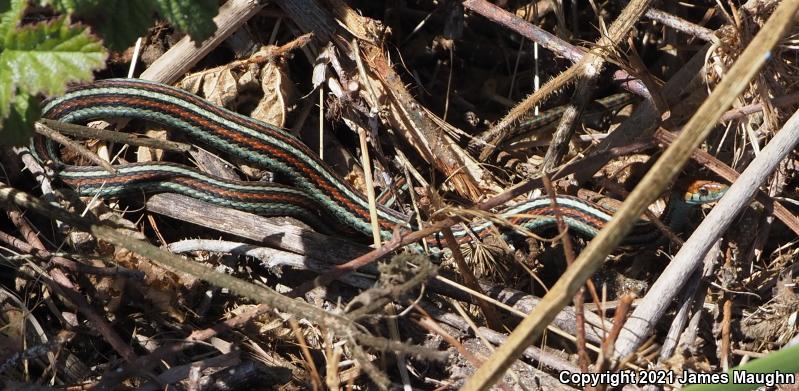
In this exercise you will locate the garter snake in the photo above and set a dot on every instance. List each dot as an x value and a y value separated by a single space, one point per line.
314 194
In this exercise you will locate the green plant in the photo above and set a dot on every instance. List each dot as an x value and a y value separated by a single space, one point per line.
785 361
41 58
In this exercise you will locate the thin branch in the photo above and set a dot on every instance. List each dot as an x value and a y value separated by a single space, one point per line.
109 135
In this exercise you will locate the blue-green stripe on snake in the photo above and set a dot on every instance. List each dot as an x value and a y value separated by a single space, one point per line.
317 195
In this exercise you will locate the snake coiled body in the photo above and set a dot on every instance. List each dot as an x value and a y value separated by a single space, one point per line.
313 192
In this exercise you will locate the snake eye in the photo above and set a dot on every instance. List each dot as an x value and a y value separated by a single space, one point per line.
703 191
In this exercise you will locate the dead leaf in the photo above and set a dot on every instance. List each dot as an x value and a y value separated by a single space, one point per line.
220 88
319 74
192 83
145 154
279 95
248 78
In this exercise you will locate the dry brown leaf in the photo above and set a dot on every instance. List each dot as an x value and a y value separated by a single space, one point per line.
160 288
192 83
221 88
218 86
279 95
12 324
145 154
355 177
249 78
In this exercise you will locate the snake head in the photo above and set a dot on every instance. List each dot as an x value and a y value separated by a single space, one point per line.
702 192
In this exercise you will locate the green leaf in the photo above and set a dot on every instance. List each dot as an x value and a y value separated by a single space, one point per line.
18 127
7 90
10 14
784 361
129 21
195 17
71 6
120 22
44 57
